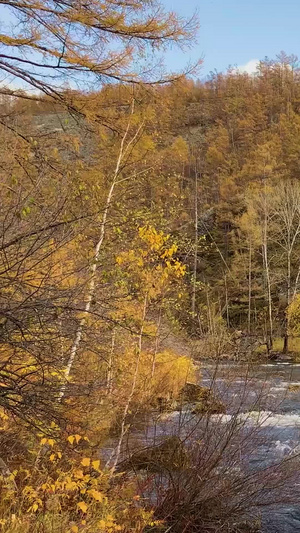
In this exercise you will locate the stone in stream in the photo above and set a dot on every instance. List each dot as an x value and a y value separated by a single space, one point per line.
202 399
192 393
169 455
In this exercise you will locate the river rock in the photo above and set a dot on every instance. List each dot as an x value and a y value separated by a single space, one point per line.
212 406
192 393
169 455
202 399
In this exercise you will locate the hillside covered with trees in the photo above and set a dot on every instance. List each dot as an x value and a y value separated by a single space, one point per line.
148 222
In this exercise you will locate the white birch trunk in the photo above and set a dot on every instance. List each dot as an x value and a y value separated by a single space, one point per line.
91 287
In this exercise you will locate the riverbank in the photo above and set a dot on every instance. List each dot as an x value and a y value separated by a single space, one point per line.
247 458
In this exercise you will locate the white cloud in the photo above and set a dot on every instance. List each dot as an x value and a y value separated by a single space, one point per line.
250 67
13 83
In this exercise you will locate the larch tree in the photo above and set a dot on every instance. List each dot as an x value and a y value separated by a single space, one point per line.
86 44
53 200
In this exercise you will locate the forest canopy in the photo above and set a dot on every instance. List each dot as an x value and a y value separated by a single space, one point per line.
84 45
148 221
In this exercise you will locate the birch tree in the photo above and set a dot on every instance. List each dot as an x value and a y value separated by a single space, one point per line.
125 145
285 212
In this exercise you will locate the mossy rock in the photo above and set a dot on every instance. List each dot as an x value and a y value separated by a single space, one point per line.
203 399
212 405
169 455
193 393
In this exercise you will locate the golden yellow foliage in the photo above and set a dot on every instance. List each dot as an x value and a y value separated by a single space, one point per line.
58 494
82 506
293 315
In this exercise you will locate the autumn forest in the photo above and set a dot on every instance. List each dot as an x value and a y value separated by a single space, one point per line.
149 227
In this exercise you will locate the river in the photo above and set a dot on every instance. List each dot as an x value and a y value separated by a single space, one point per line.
267 398
255 444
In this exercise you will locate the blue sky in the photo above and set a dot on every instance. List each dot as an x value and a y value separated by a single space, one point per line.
238 31
234 32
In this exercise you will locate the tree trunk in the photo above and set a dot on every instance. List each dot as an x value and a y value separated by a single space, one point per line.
269 298
195 246
226 302
249 286
285 342
288 297
91 287
267 271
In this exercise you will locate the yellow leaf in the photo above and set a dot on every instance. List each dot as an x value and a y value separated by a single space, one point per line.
78 474
82 506
71 439
51 442
59 455
71 485
86 461
98 496
35 507
96 464
102 524
74 529
43 441
78 438
52 457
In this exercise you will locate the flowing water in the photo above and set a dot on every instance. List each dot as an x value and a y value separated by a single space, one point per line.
262 426
267 397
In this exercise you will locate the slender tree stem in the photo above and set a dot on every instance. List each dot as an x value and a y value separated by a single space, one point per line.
91 287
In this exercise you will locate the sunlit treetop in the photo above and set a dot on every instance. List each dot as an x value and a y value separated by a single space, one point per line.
48 44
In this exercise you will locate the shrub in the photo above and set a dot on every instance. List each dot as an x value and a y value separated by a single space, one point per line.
64 490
